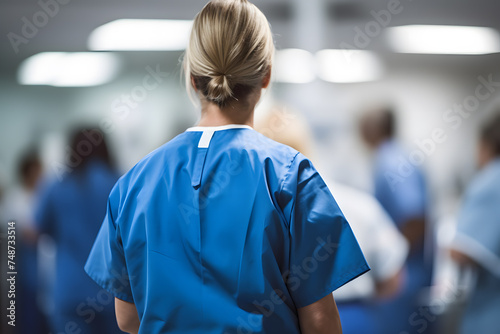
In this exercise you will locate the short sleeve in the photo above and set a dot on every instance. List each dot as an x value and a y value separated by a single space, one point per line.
106 263
324 253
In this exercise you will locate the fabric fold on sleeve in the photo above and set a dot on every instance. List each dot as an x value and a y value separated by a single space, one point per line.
324 253
106 263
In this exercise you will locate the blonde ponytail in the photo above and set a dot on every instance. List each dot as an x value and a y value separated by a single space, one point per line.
230 51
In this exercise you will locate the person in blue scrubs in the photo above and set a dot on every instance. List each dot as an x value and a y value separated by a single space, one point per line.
19 208
71 209
222 230
477 240
399 186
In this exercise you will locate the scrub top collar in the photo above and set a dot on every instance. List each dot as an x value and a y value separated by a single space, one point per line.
218 128
208 132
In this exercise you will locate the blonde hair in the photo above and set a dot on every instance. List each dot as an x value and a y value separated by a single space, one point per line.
230 51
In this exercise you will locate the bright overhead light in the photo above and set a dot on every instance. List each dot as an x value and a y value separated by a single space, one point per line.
66 69
439 39
294 66
141 35
348 66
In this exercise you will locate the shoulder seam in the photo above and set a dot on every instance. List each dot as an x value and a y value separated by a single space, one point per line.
283 182
288 172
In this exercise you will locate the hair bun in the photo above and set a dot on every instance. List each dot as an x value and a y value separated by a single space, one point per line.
219 88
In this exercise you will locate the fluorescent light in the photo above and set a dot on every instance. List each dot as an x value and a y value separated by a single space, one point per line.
65 69
141 35
294 66
436 39
348 66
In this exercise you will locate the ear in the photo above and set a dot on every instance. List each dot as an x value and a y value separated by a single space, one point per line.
193 84
267 79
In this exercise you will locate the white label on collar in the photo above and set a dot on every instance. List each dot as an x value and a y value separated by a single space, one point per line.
205 139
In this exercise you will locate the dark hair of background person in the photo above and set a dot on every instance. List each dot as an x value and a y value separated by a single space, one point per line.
490 135
89 144
29 168
378 125
387 123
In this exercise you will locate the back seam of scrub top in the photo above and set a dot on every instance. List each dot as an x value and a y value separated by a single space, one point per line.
204 144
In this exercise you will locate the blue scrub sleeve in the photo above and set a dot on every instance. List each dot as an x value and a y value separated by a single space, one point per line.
324 254
106 263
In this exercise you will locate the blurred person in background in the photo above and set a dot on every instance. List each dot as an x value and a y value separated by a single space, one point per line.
477 241
18 207
400 188
71 210
223 230
285 125
384 247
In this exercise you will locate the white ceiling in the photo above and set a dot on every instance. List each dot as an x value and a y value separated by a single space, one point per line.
69 29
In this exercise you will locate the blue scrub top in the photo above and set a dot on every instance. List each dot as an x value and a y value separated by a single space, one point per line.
222 230
401 190
478 236
71 211
399 185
